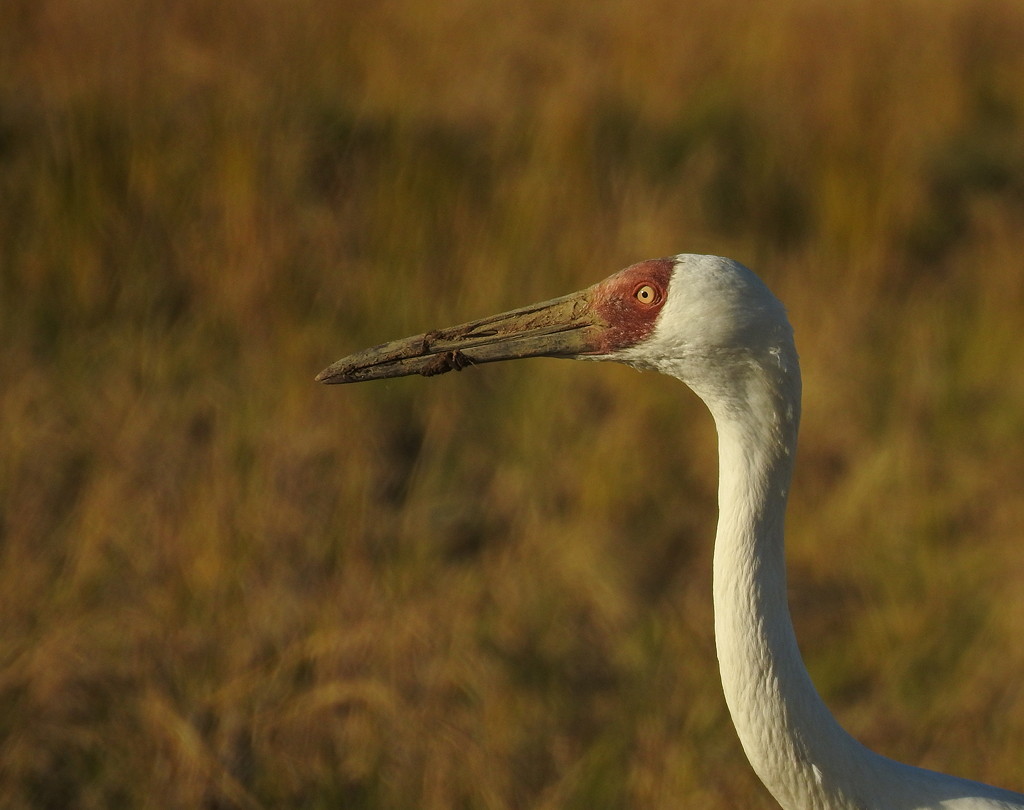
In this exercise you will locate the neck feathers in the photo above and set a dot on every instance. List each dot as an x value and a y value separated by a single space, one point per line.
793 742
779 717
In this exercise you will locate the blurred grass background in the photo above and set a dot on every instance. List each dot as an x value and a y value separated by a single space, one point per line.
225 586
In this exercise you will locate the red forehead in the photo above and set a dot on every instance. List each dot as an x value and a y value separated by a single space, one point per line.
631 320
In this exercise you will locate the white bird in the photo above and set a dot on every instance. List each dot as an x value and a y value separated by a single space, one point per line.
713 324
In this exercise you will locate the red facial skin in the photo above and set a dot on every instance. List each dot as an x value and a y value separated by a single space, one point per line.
619 302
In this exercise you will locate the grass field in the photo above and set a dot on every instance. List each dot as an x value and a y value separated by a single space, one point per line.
225 586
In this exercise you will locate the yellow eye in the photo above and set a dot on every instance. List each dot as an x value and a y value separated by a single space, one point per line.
646 294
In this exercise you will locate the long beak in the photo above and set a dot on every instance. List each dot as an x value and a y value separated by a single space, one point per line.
563 327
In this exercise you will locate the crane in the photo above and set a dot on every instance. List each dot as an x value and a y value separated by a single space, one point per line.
712 323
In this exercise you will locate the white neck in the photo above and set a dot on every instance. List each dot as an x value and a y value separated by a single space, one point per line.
788 734
792 740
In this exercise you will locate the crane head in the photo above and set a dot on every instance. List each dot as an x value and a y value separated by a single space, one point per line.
718 323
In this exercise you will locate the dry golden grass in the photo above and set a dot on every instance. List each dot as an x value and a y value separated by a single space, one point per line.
224 586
